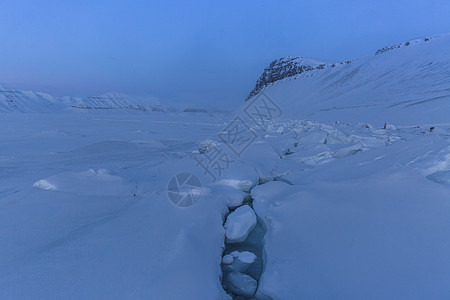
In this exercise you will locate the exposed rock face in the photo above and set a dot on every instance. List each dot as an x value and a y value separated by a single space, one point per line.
277 70
397 46
287 67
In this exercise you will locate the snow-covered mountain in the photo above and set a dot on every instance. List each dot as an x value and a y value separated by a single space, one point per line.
12 100
410 79
287 67
114 101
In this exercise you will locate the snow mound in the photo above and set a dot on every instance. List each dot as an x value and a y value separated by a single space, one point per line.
241 184
440 177
233 197
91 182
45 185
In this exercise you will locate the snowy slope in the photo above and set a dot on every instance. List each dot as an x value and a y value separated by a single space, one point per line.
84 213
349 211
408 83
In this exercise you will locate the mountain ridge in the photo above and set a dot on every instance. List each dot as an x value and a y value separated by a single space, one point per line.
288 66
407 78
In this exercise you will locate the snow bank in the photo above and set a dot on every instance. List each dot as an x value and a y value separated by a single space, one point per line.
379 236
91 182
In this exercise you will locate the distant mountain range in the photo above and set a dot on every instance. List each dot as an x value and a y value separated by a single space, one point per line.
12 100
20 101
408 81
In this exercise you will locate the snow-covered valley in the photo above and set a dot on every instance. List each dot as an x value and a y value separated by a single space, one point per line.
342 193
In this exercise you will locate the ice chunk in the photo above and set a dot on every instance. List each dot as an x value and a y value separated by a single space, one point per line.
246 257
239 224
233 197
238 261
389 126
314 160
240 284
227 259
336 137
243 185
45 185
348 151
241 176
316 137
207 145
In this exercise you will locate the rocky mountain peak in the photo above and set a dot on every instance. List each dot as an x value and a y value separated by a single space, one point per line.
286 67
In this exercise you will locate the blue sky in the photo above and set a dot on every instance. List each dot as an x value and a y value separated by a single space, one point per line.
191 51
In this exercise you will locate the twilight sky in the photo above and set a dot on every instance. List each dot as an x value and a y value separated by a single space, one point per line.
200 51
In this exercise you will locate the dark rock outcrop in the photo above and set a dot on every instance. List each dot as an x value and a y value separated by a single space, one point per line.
287 67
277 70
